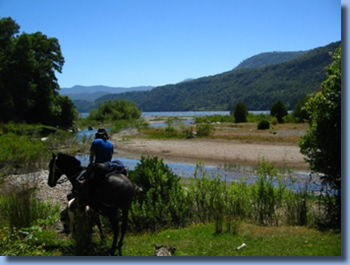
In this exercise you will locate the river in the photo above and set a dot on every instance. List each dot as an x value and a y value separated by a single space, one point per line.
294 180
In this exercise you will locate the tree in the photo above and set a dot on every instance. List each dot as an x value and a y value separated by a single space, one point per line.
322 142
114 110
240 112
28 84
8 28
279 110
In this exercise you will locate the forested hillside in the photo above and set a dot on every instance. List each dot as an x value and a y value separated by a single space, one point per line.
258 87
268 58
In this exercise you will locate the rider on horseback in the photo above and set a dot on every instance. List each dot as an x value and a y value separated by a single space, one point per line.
101 152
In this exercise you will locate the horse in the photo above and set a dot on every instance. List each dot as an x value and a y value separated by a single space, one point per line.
110 195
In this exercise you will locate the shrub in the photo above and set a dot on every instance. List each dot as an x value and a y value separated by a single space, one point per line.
273 121
240 113
213 200
113 110
279 110
263 125
300 114
170 130
21 154
266 198
20 209
161 200
204 129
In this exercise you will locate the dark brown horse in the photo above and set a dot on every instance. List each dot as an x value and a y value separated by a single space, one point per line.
110 195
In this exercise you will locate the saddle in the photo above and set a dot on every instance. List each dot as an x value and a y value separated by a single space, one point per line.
100 171
96 173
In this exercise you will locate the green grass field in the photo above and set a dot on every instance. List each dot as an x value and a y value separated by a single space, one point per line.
200 240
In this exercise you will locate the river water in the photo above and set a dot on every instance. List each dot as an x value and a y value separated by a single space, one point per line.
295 180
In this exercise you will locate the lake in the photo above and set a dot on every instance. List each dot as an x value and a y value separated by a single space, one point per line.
186 113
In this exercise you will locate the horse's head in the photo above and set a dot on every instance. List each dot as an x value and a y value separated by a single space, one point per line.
55 172
63 164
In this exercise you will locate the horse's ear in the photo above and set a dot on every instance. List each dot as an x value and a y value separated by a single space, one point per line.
53 155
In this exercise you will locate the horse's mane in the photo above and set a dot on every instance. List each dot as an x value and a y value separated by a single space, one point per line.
69 159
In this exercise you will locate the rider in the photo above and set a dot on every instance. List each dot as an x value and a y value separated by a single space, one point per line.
101 149
101 152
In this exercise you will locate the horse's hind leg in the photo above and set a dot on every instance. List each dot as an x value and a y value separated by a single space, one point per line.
99 226
123 228
114 224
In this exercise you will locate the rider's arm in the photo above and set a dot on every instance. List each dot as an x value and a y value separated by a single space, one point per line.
92 156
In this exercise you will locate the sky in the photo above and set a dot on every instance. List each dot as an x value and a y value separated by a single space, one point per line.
128 43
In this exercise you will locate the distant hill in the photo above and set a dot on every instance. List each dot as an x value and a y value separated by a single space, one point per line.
268 58
257 87
91 93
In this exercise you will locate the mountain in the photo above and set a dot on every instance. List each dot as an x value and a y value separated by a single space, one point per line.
257 87
91 93
269 58
186 80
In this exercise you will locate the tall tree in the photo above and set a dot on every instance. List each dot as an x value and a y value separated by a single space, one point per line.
322 143
8 28
28 84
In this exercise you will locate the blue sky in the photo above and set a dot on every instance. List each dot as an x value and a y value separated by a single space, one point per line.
156 42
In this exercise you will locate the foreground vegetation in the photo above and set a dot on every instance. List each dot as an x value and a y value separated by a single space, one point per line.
195 240
204 216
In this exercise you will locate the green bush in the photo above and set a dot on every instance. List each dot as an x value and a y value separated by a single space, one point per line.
115 110
207 195
273 121
160 201
21 242
20 209
267 194
240 113
21 154
204 129
279 110
264 125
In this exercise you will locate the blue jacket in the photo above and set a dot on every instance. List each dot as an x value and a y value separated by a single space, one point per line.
103 150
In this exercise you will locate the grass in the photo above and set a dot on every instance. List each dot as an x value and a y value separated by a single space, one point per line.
200 240
288 133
